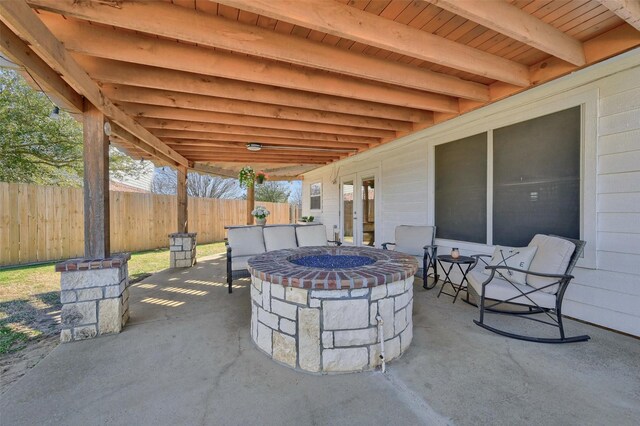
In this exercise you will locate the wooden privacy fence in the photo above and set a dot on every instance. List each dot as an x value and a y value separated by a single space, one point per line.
41 223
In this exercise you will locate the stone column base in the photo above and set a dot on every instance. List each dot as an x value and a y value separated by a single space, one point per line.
182 249
94 296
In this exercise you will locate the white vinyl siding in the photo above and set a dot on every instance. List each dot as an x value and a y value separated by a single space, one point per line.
606 288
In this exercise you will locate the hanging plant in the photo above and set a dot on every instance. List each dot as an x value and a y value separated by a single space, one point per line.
246 177
261 177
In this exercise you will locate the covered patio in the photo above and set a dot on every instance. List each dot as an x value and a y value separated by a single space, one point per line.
362 101
186 357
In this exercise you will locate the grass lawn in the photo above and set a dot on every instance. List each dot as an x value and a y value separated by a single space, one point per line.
30 295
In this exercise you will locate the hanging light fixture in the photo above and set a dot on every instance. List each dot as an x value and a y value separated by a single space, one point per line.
254 146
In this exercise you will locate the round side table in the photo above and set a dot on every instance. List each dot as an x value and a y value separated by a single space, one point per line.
460 262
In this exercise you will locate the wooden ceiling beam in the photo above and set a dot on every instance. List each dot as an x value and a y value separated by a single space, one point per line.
228 173
254 132
17 51
108 71
214 170
517 24
185 24
93 40
150 111
137 144
348 22
216 157
19 17
187 144
205 136
251 109
629 10
239 150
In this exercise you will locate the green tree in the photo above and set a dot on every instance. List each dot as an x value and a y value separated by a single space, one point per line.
270 191
38 147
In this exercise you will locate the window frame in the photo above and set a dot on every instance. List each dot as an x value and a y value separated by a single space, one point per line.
504 115
314 196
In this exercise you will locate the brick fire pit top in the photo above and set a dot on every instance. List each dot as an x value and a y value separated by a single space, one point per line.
388 266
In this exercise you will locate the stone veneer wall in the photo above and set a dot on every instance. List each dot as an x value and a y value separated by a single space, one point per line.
182 250
324 331
94 296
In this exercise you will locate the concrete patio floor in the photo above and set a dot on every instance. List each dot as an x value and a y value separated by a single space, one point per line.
186 358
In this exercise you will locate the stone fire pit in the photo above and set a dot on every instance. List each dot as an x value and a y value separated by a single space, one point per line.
315 308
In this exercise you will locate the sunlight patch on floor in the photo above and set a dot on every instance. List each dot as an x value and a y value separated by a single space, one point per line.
202 282
145 285
163 302
186 291
55 316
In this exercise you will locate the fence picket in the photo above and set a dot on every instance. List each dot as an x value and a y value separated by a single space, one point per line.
43 223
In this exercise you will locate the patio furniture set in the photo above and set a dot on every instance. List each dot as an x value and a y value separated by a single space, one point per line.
347 303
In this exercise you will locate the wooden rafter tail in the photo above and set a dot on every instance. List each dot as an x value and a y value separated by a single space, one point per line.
18 16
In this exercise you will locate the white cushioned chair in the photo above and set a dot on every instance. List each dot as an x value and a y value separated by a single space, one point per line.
312 235
243 242
279 237
418 241
547 279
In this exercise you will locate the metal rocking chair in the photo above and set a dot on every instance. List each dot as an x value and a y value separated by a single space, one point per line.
540 300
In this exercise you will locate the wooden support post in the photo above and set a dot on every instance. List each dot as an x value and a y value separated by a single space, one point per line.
183 215
251 202
96 184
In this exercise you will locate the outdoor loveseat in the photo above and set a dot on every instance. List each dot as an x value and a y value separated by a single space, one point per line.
244 242
526 281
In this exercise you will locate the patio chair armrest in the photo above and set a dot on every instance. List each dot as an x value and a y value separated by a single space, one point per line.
524 271
477 258
384 245
338 243
430 250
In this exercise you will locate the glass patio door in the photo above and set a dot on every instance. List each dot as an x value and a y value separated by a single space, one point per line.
367 212
358 209
347 210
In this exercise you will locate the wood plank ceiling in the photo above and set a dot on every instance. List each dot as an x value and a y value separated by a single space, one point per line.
192 82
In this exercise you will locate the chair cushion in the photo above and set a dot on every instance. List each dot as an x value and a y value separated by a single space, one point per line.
499 289
246 240
239 263
412 239
552 257
311 235
515 257
279 237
